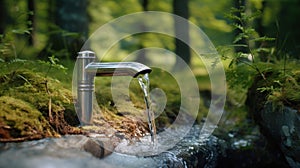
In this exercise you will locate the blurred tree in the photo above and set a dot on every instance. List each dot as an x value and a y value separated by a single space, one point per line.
279 19
180 8
210 17
259 22
289 33
142 54
68 26
260 29
145 4
3 15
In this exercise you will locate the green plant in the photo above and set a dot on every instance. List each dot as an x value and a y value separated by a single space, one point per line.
257 61
20 28
248 61
53 63
283 86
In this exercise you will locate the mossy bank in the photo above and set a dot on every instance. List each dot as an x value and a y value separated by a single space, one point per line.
33 106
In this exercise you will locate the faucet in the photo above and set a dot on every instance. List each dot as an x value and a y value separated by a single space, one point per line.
88 69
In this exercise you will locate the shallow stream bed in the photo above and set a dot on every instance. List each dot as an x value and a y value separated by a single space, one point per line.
78 151
69 151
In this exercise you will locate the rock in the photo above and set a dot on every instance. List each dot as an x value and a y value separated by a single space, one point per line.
282 124
193 151
67 151
76 151
278 119
98 147
20 121
249 150
34 107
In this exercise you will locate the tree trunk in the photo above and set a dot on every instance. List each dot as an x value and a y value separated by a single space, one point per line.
145 5
259 23
3 15
180 8
289 34
142 54
69 28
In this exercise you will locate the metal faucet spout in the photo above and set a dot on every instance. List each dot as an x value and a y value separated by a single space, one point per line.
117 68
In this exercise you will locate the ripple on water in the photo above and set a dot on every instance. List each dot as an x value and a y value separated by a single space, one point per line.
164 142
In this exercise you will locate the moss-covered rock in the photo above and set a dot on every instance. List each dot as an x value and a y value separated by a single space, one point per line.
274 104
20 120
34 106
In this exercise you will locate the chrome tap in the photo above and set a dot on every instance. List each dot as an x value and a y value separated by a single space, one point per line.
87 70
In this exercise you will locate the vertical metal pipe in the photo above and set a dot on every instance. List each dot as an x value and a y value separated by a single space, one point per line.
85 87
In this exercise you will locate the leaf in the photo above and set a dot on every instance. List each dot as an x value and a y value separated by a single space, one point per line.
53 59
29 23
18 60
264 39
232 17
255 15
71 34
60 67
262 49
239 45
20 31
43 62
250 31
22 77
239 37
238 26
265 89
278 82
30 13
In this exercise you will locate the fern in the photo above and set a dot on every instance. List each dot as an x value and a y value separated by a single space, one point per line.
53 63
246 64
8 46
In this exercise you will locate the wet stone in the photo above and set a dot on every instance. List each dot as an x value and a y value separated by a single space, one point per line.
281 127
98 148
74 151
193 151
95 148
68 151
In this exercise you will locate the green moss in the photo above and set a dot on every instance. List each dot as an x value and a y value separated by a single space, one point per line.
35 89
281 87
22 119
49 101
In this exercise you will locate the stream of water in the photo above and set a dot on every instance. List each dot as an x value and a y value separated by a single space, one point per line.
145 83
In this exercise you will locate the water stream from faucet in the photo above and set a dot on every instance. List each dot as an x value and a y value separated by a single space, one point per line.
145 83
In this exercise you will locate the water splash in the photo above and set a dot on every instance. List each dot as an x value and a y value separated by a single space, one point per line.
145 83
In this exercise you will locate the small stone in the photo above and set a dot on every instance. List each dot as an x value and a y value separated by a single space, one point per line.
120 135
288 142
98 148
94 148
286 131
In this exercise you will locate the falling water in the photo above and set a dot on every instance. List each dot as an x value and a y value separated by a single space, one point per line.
145 83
